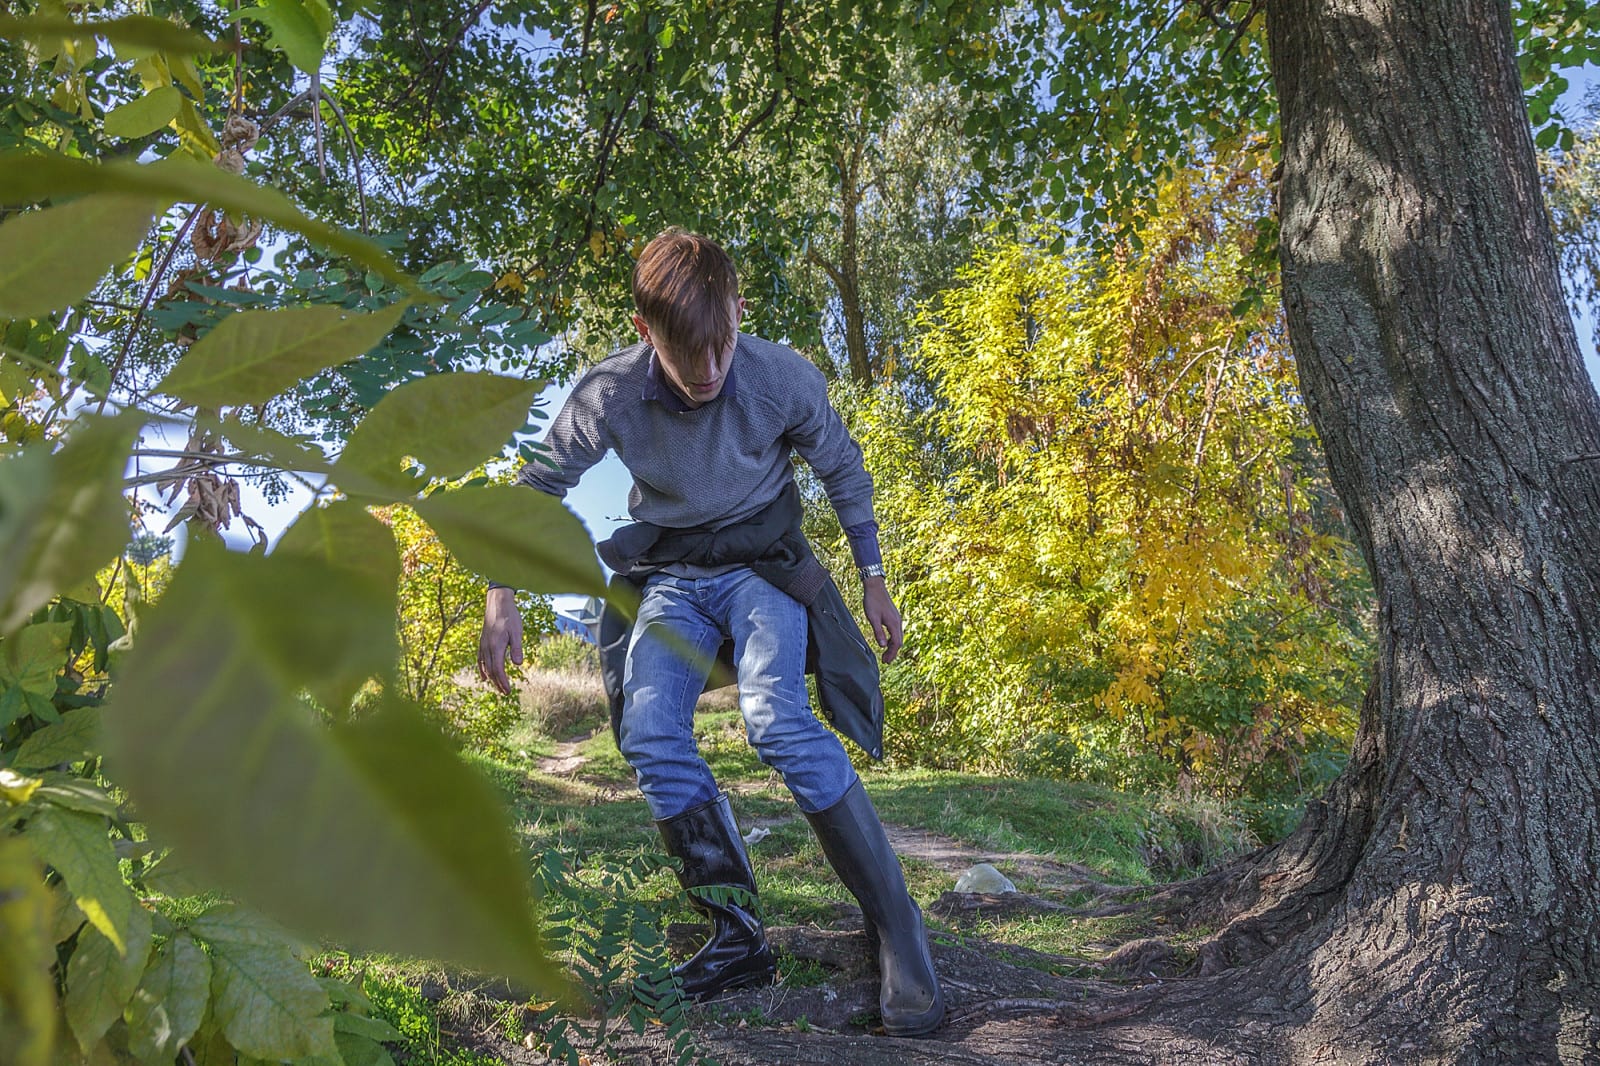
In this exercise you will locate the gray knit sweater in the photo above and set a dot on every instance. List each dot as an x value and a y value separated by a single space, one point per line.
715 464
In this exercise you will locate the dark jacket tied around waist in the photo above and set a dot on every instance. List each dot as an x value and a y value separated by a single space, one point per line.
770 543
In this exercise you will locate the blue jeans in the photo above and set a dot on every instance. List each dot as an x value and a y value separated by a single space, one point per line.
661 685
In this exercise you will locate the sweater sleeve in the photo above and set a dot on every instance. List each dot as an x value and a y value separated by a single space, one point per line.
575 442
819 435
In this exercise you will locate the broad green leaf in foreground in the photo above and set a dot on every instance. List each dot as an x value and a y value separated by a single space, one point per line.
144 31
343 534
27 989
62 515
268 1003
514 534
51 258
77 845
101 978
171 999
449 422
28 177
69 740
251 356
144 114
310 824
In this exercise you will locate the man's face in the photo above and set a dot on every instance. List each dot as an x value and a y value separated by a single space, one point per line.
696 376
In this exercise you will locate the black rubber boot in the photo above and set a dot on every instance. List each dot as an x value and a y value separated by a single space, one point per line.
706 840
852 838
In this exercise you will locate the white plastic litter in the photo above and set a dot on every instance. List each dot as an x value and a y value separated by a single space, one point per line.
985 880
756 836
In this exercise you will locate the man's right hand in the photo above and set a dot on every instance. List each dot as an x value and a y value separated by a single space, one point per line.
502 626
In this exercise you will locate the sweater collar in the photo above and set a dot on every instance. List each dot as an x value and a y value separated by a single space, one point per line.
657 388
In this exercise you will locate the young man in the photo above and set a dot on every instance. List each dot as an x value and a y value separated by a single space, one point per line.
705 418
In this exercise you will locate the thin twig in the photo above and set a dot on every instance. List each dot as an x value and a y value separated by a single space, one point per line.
144 305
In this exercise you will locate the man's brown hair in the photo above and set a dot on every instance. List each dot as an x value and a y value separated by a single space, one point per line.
683 284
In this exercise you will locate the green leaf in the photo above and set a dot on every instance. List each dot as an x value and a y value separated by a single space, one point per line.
27 954
170 1002
75 794
77 846
145 31
371 1028
33 658
295 31
69 740
267 1002
251 356
28 177
102 977
240 925
62 515
145 115
51 258
344 534
516 535
279 449
357 1050
449 422
226 764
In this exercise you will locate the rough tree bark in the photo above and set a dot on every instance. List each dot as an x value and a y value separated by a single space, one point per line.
1453 877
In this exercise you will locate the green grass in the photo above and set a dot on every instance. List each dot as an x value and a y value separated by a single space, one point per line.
596 819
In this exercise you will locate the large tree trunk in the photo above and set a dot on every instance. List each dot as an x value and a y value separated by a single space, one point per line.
1454 876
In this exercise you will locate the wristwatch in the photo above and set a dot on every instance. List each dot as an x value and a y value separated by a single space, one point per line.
875 570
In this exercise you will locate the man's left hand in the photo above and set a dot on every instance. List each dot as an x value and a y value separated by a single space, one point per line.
882 616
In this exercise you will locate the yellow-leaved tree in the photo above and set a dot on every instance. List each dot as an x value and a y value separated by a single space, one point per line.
1117 554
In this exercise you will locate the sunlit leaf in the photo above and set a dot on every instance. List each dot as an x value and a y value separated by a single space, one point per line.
226 764
295 29
101 978
145 31
27 954
267 1002
51 258
62 515
170 1002
252 356
78 846
69 740
17 788
515 535
28 177
144 115
449 422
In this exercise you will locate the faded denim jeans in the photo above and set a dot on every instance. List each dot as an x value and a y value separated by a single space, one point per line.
661 686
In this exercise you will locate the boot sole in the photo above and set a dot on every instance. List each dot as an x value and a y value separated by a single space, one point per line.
749 980
920 1027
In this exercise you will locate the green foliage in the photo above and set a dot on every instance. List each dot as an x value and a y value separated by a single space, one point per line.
480 718
612 938
211 732
563 651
